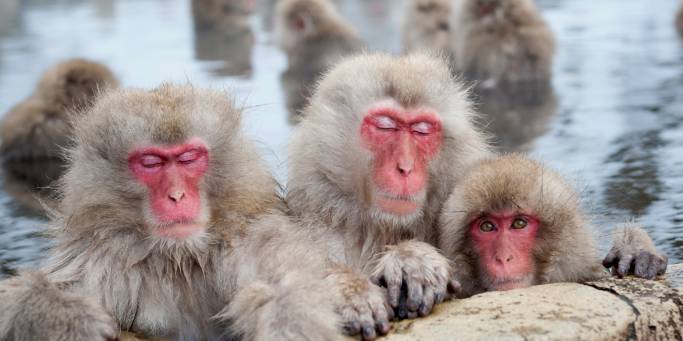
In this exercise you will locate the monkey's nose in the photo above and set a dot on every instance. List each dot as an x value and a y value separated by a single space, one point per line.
504 259
176 195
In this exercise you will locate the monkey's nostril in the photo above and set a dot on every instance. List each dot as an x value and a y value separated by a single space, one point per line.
176 196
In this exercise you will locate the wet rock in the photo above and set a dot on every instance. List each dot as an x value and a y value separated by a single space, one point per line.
611 309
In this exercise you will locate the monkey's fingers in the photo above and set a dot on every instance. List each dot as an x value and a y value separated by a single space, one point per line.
415 295
382 317
611 259
664 261
393 289
428 302
624 265
454 287
643 261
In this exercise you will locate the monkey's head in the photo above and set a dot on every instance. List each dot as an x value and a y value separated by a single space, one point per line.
298 20
510 221
492 12
170 165
435 12
72 85
382 138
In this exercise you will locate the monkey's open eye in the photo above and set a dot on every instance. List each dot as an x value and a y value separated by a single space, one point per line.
151 161
188 157
423 128
487 226
519 223
385 123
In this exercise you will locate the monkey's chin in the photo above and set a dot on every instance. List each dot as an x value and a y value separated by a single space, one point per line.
510 284
399 207
178 231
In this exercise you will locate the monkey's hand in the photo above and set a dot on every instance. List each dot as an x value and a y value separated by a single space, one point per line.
363 306
634 253
417 277
32 308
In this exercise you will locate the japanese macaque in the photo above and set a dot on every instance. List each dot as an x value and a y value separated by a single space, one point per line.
426 25
512 222
314 37
499 42
208 14
679 19
222 33
515 117
381 143
170 227
36 130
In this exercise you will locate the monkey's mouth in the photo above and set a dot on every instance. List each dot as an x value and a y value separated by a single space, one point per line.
179 230
397 205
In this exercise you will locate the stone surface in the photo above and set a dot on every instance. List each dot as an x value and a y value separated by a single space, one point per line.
610 309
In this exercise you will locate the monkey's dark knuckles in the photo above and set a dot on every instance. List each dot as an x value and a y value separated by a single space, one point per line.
643 265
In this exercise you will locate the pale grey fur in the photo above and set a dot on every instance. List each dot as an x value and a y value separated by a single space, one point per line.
426 26
105 252
330 171
565 248
510 45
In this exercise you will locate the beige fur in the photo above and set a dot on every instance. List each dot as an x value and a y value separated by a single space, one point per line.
36 130
565 249
426 26
324 39
512 44
330 171
250 254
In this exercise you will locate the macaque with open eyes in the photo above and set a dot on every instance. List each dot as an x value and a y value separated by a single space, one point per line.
170 227
314 36
502 42
36 130
381 143
512 223
426 26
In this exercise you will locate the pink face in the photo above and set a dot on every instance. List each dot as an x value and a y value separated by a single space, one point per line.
172 175
504 242
403 142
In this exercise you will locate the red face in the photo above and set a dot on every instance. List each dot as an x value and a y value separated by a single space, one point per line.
403 142
504 242
172 175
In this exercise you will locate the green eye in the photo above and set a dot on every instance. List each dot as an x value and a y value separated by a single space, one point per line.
487 226
519 223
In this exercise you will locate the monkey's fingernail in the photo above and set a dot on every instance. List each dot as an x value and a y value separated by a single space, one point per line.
369 333
383 327
412 315
424 310
352 327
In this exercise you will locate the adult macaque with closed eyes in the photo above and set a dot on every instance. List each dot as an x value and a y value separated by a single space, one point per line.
36 130
426 26
382 142
314 36
170 227
512 222
499 42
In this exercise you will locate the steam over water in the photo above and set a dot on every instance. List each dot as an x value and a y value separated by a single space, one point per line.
613 126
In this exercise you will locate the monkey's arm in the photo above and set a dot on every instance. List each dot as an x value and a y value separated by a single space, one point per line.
32 308
634 252
417 276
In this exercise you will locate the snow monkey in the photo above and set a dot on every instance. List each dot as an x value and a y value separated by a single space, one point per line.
170 227
381 145
35 131
513 222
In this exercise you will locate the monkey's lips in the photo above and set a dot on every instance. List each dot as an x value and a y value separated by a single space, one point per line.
397 205
178 230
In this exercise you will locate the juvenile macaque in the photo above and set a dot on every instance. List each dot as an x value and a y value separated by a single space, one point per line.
170 227
36 130
498 42
426 25
512 222
381 143
208 14
314 37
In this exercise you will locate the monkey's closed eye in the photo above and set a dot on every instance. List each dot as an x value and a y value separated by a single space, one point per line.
519 223
423 128
385 123
487 226
151 161
188 157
